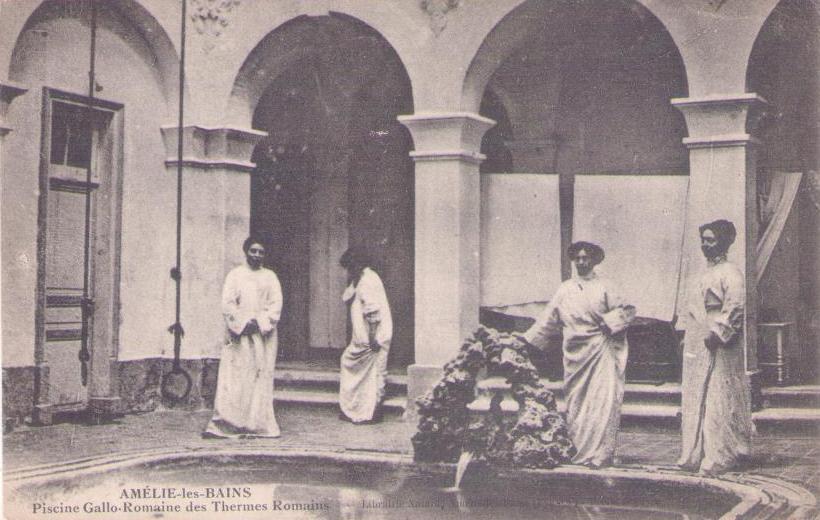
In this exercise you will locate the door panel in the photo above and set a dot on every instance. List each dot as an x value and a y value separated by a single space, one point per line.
64 289
65 385
64 242
328 240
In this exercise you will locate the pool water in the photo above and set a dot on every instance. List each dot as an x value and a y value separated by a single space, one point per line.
319 488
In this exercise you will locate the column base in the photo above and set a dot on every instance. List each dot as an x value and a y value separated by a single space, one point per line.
101 409
42 415
420 379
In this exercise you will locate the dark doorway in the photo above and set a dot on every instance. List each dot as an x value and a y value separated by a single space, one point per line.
334 172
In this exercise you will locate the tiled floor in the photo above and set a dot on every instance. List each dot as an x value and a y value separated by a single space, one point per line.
791 456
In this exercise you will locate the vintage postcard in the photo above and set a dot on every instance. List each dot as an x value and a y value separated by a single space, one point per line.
410 258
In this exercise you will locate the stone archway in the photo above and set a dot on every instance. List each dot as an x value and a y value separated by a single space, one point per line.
333 172
589 87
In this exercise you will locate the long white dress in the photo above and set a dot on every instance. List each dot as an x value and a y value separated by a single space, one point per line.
716 425
594 362
363 371
244 391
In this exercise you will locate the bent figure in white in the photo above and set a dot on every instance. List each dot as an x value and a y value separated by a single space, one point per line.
590 314
364 361
251 304
716 425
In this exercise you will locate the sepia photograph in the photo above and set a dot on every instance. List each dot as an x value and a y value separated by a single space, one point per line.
400 259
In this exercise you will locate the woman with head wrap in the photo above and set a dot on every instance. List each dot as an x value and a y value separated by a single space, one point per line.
364 361
716 425
592 317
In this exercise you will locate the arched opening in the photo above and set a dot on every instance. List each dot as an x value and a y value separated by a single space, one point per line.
593 82
783 69
140 36
334 172
590 135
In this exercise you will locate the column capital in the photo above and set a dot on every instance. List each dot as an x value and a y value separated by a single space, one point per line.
445 136
721 120
207 147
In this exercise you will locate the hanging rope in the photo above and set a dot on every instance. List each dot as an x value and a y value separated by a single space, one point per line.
176 385
87 302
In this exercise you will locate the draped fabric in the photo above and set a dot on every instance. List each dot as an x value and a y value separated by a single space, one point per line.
244 392
363 370
716 423
516 268
594 361
646 264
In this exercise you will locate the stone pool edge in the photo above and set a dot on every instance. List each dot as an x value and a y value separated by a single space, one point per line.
760 497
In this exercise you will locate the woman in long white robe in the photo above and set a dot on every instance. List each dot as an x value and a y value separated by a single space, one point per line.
716 424
364 361
592 317
244 392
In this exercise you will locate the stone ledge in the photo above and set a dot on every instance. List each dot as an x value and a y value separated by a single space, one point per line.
204 164
760 497
449 155
720 141
719 100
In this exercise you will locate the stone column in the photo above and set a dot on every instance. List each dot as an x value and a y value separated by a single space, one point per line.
722 184
215 222
447 227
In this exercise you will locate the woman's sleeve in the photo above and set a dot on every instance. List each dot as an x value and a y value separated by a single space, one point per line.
547 325
375 307
234 318
619 314
373 297
729 321
272 308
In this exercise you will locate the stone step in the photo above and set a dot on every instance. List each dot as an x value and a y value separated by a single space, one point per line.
641 401
770 417
638 393
647 401
328 380
659 411
642 410
803 396
330 399
791 397
788 415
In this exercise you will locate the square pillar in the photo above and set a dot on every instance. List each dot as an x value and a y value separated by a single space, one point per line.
447 227
215 221
723 184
